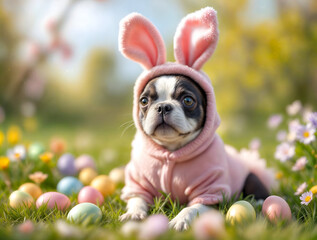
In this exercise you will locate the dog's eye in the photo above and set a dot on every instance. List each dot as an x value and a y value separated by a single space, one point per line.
144 101
188 101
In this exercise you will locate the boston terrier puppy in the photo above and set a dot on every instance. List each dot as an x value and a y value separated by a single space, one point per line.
176 149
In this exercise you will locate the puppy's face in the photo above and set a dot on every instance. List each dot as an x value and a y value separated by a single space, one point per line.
172 110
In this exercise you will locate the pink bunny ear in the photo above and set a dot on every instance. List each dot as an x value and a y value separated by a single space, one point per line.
196 38
140 41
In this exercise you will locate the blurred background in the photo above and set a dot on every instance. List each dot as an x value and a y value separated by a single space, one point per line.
61 74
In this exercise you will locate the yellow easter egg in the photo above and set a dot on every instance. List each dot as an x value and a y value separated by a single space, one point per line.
103 184
32 189
117 175
87 175
19 198
240 212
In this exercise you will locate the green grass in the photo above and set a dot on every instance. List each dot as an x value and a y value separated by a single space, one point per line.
47 222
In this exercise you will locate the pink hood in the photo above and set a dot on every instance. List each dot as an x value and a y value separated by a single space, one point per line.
201 171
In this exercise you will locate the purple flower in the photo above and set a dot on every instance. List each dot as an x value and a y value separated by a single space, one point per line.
281 136
312 119
284 151
274 121
255 144
306 134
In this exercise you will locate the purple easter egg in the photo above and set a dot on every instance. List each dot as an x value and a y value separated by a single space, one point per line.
66 164
85 161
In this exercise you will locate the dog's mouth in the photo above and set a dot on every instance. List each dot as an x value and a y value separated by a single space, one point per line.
165 130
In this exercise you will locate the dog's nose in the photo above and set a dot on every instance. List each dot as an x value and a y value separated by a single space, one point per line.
164 108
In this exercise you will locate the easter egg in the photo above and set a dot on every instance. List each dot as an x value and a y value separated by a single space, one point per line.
117 175
275 208
103 184
32 189
53 199
240 212
19 198
86 213
69 185
210 225
90 194
86 175
84 161
153 226
35 150
66 164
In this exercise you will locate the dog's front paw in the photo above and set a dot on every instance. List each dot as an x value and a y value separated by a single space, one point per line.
135 216
179 224
183 220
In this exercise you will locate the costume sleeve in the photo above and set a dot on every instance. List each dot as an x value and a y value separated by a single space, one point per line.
133 185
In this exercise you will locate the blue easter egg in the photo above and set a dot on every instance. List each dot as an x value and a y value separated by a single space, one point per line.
66 164
69 185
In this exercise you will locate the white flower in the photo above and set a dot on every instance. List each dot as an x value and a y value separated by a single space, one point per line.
306 198
284 151
300 164
274 121
281 136
301 188
294 108
306 134
17 153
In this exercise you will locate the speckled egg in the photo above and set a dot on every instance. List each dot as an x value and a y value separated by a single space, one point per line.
86 213
210 225
19 198
69 185
53 199
240 212
86 175
90 194
103 184
153 226
117 175
84 161
35 150
66 164
275 208
32 189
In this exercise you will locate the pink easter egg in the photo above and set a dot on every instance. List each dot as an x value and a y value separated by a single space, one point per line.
276 208
53 199
91 195
84 161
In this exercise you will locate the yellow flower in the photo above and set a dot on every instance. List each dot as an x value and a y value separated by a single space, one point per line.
1 138
279 175
314 189
4 163
14 135
38 177
46 157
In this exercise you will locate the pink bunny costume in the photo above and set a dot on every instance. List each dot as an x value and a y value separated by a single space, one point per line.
202 171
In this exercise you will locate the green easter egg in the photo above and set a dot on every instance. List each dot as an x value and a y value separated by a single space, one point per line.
35 150
85 213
